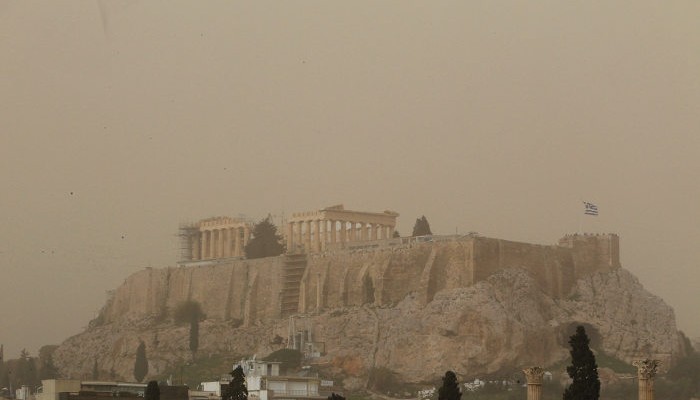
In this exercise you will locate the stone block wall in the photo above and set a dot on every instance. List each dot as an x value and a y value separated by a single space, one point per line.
250 290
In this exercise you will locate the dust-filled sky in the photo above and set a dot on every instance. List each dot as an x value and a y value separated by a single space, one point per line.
119 120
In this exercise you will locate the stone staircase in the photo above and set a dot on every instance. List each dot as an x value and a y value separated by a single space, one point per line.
292 272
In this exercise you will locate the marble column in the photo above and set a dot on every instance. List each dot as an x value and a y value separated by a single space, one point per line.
353 232
307 235
324 234
646 371
223 240
534 377
317 236
290 236
238 250
333 228
204 245
195 246
343 231
375 231
227 242
300 236
212 244
246 235
365 230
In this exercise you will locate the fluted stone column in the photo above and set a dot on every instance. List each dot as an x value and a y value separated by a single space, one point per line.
307 236
534 377
646 371
222 241
343 231
324 234
246 235
212 244
317 236
227 242
299 240
333 228
375 231
205 245
290 236
232 242
238 250
353 232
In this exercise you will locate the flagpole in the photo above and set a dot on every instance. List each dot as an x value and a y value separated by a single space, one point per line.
580 224
580 220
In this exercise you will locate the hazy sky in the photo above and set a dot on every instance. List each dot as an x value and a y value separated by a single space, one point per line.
119 120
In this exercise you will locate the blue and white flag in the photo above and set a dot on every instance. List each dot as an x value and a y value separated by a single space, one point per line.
590 208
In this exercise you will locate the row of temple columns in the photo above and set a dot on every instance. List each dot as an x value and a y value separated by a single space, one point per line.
220 243
646 371
317 233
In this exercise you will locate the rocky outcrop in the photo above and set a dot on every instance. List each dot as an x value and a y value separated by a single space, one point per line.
496 325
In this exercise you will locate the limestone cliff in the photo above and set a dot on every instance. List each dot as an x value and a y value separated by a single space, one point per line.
476 306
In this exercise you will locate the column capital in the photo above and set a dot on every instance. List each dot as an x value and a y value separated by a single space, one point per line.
646 369
534 375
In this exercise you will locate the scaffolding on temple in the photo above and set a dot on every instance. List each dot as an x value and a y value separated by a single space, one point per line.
188 232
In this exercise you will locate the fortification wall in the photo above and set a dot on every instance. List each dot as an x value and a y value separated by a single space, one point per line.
243 289
251 290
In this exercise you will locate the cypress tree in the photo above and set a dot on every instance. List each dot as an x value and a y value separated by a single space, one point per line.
95 370
152 391
194 337
450 387
583 369
421 227
191 311
265 241
237 389
141 363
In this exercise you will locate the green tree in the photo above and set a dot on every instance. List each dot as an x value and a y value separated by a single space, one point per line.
152 391
237 389
191 312
583 369
265 241
421 227
26 370
47 368
141 362
686 375
95 370
450 387
194 338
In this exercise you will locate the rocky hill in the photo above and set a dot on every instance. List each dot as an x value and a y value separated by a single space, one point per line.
508 319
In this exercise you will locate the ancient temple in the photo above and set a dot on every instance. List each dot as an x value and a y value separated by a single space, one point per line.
214 238
333 227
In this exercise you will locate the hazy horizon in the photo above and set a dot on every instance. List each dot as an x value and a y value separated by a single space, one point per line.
120 120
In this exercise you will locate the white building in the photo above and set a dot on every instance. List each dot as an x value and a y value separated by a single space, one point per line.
264 382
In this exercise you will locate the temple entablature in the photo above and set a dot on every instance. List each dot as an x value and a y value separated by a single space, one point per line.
333 227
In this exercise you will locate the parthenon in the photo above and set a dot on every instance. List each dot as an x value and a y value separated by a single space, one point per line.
333 227
217 237
309 232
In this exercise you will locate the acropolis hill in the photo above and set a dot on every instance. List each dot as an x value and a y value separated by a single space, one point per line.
413 305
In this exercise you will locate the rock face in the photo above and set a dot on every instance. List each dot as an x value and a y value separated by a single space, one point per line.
501 322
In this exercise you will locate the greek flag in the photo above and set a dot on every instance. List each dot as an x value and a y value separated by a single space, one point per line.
590 208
